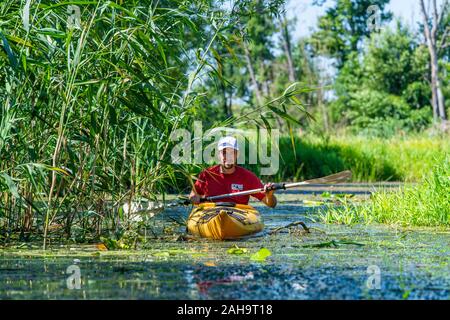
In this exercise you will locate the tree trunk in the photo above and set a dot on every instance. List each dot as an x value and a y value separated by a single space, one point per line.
434 77
437 90
263 75
287 47
440 99
437 98
251 70
225 100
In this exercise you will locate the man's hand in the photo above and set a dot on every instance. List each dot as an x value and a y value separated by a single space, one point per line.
270 200
194 197
269 188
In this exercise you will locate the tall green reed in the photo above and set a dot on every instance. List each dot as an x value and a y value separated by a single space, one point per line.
94 103
88 104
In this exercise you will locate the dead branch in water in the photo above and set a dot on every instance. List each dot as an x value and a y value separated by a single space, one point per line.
293 224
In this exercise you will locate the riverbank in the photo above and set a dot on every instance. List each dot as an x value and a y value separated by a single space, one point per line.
424 204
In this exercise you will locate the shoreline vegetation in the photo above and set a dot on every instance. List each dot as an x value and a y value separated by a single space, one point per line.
424 204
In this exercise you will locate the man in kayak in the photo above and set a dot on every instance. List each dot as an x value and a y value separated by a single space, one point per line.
228 177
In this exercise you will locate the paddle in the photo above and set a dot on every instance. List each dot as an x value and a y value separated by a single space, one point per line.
155 206
333 178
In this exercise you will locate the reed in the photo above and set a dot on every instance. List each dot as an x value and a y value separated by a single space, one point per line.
88 103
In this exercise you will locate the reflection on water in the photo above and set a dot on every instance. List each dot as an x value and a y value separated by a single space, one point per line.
392 264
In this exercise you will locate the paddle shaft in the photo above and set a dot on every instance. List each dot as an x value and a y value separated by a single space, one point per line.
334 178
277 186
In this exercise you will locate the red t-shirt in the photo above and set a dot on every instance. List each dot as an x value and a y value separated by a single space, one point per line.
211 182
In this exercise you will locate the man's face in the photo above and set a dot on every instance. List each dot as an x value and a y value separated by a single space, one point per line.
228 158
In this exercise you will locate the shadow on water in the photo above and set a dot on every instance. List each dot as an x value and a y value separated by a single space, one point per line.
330 262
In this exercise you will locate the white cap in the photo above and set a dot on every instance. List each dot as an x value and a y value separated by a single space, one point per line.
227 142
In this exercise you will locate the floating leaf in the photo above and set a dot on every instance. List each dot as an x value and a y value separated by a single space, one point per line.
174 252
261 255
237 250
350 242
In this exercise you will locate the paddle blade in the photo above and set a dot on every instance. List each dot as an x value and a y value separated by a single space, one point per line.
332 178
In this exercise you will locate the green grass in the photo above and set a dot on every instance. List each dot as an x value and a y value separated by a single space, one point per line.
370 159
425 204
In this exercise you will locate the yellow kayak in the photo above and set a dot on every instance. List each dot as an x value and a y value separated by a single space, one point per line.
224 221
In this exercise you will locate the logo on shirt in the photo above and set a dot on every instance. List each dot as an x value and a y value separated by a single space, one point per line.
237 187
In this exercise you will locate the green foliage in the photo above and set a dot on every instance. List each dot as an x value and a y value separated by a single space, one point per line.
425 204
261 255
254 43
384 91
87 109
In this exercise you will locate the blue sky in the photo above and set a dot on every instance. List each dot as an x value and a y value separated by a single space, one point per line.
307 14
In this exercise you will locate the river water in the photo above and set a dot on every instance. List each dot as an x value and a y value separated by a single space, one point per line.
330 262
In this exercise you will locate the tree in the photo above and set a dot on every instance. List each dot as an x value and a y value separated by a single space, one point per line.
385 88
258 51
286 44
431 22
